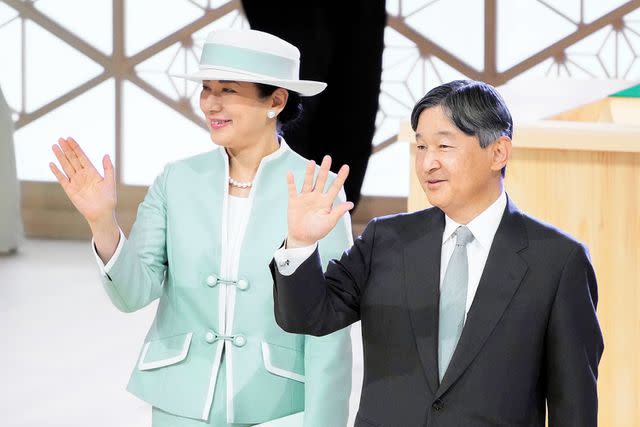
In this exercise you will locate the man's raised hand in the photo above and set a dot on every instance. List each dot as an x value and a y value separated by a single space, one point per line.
311 213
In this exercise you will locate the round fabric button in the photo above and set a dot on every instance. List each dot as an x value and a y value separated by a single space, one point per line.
243 285
210 337
239 340
212 281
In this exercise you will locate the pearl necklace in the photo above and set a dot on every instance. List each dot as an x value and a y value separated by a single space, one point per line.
239 184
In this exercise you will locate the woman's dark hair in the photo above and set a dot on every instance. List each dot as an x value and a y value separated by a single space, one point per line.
476 108
292 110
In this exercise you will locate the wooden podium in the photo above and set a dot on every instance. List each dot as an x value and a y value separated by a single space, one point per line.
579 169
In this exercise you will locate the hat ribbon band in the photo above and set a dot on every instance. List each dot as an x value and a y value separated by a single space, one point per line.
216 55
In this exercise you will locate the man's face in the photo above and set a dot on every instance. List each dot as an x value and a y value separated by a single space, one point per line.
456 174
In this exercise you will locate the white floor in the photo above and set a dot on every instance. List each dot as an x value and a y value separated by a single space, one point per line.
66 351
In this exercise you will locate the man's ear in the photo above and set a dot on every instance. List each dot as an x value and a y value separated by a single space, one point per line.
500 152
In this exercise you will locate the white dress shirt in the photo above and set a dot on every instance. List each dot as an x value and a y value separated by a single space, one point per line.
288 260
483 227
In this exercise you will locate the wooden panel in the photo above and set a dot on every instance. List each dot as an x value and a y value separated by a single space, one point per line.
48 213
623 111
598 111
595 196
584 136
372 206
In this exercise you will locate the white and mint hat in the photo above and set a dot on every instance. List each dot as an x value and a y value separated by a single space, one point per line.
253 56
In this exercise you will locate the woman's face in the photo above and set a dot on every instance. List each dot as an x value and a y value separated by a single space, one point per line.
236 114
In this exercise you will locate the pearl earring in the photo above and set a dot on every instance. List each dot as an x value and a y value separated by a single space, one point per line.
271 114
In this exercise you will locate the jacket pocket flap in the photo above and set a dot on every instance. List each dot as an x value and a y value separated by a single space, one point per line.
164 352
284 362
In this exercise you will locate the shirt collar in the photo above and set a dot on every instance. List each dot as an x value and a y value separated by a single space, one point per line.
484 226
283 148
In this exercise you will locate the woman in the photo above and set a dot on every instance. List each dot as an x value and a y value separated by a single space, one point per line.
202 242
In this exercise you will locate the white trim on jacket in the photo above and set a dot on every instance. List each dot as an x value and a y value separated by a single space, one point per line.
266 357
145 366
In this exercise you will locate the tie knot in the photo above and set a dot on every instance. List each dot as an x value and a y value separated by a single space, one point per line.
463 236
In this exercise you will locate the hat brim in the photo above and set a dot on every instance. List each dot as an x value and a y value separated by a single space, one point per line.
303 87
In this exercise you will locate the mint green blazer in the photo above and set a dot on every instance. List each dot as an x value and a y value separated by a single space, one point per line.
174 253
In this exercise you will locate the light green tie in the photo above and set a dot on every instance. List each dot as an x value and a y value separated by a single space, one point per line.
453 300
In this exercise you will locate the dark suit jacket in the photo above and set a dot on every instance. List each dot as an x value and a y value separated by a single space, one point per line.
531 335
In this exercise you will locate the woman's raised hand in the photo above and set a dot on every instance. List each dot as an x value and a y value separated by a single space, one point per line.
92 194
311 214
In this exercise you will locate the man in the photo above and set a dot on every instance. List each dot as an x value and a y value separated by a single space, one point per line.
473 313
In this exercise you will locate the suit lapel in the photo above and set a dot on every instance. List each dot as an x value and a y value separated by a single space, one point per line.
422 280
501 277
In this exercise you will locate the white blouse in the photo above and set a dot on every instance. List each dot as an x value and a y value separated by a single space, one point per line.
237 212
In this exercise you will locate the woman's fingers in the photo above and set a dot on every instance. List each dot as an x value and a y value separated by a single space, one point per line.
307 185
108 168
71 155
323 174
67 167
62 179
79 153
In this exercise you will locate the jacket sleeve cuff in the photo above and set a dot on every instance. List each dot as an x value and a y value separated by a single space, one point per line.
105 268
288 260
